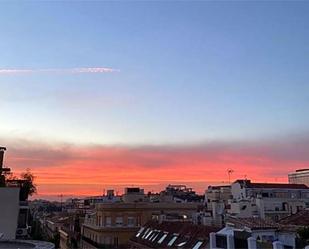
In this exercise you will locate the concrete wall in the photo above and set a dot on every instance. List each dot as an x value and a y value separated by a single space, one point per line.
9 211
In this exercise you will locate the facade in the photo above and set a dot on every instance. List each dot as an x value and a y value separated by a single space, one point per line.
300 176
113 224
218 193
274 200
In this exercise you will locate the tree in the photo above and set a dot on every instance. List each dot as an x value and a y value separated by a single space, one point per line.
28 187
303 233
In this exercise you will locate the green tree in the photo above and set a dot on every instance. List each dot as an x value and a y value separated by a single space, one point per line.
28 187
304 233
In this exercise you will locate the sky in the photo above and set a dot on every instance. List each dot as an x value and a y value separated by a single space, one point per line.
107 94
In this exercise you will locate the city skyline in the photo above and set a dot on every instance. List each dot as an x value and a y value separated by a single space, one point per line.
105 94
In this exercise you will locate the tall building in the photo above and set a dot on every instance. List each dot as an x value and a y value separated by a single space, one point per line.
300 176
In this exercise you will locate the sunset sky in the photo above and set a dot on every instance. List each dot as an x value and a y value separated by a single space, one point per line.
97 95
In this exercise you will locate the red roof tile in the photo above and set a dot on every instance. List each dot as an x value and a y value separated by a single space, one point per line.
299 219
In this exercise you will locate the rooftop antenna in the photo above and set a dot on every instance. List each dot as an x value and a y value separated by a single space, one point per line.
229 172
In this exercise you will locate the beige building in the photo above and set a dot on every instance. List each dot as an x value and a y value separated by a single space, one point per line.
300 176
113 224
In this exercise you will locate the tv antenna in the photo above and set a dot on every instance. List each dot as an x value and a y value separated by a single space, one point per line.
230 172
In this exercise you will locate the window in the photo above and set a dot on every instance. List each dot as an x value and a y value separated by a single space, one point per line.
197 245
108 221
162 238
131 221
172 241
119 221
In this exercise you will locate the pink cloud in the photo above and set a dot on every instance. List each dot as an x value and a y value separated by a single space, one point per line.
153 167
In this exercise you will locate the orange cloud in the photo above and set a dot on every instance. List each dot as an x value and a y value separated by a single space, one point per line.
87 170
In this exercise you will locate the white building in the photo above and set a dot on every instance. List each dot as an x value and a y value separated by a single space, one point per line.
300 176
274 200
9 211
253 233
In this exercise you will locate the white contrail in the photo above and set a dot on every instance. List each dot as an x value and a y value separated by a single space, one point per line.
60 70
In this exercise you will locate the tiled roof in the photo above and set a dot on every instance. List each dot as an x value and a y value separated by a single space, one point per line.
172 235
219 186
254 223
249 184
299 219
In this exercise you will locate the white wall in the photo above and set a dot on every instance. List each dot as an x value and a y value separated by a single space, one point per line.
9 211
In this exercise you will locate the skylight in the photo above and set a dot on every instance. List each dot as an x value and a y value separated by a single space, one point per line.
197 245
153 235
172 240
140 231
182 244
148 229
156 236
162 238
151 231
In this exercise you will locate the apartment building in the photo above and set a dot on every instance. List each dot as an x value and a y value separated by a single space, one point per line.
113 224
300 176
274 200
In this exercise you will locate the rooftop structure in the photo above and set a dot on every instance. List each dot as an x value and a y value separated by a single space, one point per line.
180 193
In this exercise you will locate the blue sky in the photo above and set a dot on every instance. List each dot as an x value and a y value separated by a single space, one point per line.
185 72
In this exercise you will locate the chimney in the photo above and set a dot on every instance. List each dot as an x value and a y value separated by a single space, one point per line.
2 149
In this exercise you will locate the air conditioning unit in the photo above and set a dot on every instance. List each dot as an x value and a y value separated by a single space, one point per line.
20 232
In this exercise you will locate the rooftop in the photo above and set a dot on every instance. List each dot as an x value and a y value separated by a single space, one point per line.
172 235
253 223
299 219
25 244
249 184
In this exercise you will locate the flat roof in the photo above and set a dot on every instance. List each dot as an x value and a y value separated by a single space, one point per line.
25 244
